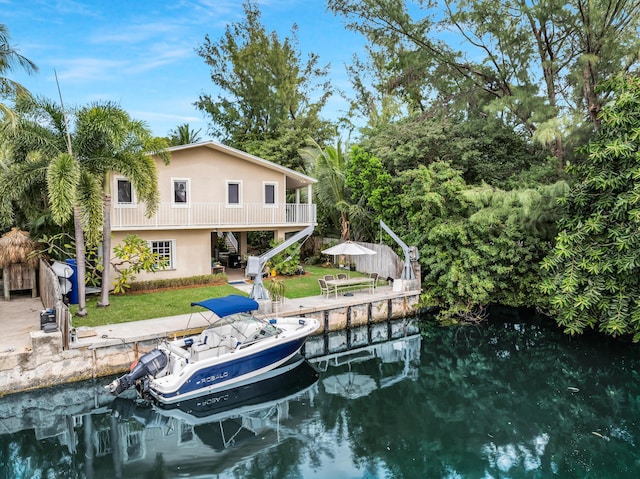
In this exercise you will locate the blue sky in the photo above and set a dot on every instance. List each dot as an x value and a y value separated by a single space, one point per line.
141 54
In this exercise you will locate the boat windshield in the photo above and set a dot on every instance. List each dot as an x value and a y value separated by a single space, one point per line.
248 328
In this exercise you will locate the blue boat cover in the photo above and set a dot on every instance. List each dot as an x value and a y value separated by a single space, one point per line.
232 304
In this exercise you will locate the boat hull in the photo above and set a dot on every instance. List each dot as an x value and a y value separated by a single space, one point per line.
209 377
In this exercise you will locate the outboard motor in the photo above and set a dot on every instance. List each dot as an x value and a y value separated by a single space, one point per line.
149 364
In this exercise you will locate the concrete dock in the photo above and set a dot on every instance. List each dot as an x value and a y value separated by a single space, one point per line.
31 358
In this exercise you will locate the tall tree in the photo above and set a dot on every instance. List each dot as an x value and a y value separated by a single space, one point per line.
184 135
330 166
370 190
534 64
594 269
10 59
104 139
266 102
109 141
45 175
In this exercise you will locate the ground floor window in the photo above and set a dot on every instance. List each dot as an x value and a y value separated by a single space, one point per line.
165 249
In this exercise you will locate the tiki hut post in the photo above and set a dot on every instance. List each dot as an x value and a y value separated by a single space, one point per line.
17 262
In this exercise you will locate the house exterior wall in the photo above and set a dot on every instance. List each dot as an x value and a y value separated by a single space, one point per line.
187 221
191 251
208 172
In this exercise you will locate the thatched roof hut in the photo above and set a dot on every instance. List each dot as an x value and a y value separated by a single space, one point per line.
17 263
15 247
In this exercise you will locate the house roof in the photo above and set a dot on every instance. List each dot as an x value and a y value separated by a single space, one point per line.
294 178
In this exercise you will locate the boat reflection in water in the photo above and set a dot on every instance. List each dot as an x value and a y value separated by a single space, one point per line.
225 418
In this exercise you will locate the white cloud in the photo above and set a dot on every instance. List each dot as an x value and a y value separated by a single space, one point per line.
82 69
135 33
75 8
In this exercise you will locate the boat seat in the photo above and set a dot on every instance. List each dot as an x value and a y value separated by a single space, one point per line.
210 338
213 346
231 342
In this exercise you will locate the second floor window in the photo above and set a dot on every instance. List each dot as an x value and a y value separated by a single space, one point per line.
233 193
181 192
125 192
269 194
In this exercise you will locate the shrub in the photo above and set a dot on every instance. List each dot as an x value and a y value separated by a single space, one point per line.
212 279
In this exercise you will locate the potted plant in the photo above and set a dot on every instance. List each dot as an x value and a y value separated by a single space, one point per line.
276 289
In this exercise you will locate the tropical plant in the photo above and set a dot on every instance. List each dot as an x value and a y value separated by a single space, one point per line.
9 59
594 269
286 262
184 135
276 288
132 256
109 141
330 165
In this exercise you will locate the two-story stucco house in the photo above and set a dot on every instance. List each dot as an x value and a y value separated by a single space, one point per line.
207 190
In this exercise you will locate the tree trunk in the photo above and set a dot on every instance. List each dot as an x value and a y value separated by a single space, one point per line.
590 95
106 252
80 262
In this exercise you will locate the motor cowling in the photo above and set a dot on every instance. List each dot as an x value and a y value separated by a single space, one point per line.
149 364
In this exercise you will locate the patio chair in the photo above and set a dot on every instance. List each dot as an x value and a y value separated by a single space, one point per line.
342 276
324 289
329 277
374 277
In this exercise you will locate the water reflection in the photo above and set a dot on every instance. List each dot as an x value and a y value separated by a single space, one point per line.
212 433
510 399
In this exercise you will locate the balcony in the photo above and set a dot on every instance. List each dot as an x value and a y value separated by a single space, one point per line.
213 215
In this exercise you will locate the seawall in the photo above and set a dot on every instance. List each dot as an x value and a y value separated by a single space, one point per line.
108 350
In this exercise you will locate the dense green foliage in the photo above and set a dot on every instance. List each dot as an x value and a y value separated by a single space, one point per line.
477 245
595 265
483 150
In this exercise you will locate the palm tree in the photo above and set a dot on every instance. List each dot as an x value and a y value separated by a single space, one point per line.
108 141
184 135
330 165
9 59
44 175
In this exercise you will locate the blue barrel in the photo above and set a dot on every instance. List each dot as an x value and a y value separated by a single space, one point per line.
73 294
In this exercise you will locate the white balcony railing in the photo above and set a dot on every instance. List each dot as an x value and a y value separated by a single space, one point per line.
214 215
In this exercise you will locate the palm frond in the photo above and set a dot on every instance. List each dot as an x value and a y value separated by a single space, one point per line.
63 176
91 203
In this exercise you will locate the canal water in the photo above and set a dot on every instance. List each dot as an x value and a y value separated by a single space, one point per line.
512 398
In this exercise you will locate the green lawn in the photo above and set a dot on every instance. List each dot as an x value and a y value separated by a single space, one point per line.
135 307
307 284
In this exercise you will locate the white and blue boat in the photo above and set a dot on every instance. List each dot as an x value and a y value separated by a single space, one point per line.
235 348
